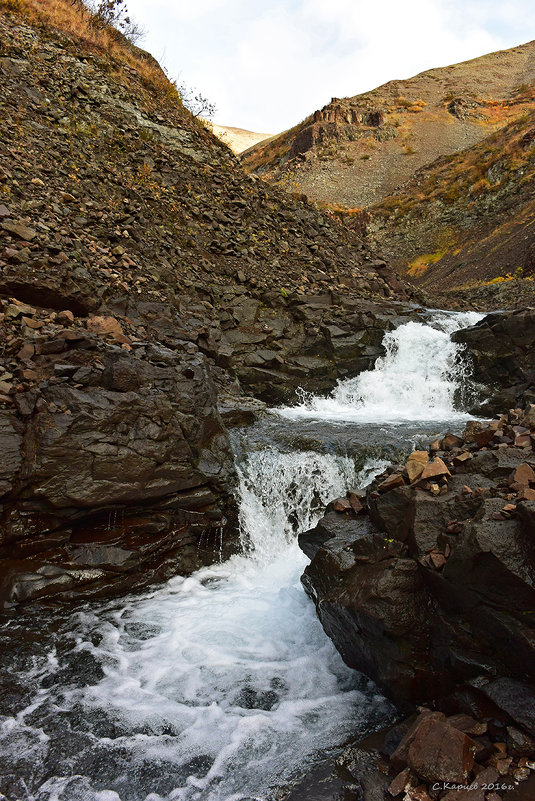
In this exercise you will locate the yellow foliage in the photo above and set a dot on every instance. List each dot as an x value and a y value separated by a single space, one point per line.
420 264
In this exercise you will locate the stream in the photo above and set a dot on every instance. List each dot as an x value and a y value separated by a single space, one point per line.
223 686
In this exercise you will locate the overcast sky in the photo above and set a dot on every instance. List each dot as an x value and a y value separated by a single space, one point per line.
267 65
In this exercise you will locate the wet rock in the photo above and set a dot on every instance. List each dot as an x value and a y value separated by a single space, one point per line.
520 743
451 563
127 472
357 501
390 483
450 441
238 410
516 698
503 347
400 756
342 505
403 781
367 603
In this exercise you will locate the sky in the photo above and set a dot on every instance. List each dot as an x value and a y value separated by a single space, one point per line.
268 65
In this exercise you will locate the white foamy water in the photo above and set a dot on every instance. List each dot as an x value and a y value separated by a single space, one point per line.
216 686
419 378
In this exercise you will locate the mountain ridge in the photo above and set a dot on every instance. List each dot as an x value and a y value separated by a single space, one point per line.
357 150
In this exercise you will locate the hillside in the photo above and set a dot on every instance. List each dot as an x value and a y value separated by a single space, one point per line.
105 156
238 139
358 150
464 227
146 284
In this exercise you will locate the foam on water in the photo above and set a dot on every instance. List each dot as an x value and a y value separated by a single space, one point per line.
420 378
212 688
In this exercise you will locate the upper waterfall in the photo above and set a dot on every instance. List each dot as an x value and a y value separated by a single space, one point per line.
418 378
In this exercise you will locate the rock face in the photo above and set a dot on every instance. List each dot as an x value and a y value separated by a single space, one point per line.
118 470
275 345
502 346
435 586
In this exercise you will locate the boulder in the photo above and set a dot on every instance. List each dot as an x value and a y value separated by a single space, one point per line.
434 469
503 350
516 698
440 752
370 602
416 464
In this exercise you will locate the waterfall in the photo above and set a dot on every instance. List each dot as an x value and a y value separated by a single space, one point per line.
418 378
282 494
215 687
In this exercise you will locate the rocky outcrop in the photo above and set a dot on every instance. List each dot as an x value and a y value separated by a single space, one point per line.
117 469
502 346
434 585
337 121
276 344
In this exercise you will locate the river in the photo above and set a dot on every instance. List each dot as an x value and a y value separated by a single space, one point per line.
223 686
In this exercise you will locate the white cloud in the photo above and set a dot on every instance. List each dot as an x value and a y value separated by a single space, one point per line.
267 67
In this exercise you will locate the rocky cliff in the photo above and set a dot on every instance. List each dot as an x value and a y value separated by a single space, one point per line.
428 581
425 583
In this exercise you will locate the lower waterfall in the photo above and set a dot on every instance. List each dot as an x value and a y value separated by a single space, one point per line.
215 686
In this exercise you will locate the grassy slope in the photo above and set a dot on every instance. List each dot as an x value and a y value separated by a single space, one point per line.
467 222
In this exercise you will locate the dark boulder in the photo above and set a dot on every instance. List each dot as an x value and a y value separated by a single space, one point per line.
502 346
437 585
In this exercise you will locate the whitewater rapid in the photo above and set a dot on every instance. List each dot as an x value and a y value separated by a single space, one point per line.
422 376
214 687
223 686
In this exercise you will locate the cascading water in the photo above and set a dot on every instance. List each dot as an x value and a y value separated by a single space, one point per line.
285 493
417 379
213 687
219 686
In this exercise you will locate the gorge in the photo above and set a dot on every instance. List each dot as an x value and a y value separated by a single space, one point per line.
259 538
222 685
